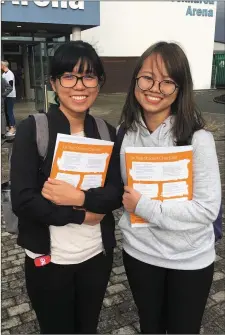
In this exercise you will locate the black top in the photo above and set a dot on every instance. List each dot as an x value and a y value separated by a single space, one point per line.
29 173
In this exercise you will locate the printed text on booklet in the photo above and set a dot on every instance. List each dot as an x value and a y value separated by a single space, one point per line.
163 173
81 161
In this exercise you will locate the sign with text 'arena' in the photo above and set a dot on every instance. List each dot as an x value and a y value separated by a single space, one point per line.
189 23
53 12
54 4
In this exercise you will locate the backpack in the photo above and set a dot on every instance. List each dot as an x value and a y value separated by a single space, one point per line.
42 139
217 224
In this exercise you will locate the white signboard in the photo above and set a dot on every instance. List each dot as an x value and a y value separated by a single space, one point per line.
129 27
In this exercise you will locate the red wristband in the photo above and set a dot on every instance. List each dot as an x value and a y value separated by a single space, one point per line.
42 260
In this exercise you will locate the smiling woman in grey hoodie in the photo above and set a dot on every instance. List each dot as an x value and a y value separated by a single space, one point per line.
170 263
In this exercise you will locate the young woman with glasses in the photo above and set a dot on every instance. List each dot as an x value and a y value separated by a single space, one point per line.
70 231
170 263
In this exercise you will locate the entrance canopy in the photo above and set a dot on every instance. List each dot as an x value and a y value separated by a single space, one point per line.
49 16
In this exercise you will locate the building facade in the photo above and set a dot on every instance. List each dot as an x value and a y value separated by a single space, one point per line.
218 72
32 30
119 30
129 27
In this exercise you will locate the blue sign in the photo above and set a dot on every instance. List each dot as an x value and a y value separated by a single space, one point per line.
74 13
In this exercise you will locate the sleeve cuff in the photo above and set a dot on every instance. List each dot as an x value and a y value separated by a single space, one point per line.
78 216
146 208
86 199
142 206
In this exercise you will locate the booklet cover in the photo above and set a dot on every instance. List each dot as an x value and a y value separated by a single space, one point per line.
81 161
163 173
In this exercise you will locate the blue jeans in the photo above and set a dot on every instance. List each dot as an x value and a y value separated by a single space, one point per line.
9 103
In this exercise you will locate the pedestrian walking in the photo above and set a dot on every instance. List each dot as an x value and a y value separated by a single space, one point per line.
10 98
6 88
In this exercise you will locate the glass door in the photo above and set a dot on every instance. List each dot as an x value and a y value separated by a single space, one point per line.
40 75
51 47
42 54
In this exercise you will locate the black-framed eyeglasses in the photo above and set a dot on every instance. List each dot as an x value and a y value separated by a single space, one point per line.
68 80
166 87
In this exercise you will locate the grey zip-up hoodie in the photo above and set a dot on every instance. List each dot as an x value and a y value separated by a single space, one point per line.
180 235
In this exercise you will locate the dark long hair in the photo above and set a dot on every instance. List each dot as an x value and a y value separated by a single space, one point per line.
188 118
69 54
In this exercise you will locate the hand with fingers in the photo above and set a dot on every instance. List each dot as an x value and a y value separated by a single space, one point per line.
62 193
130 199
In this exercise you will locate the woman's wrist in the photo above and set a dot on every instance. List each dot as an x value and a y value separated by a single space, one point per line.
79 198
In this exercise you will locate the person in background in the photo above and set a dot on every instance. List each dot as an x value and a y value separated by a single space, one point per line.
6 88
71 230
170 263
10 99
19 82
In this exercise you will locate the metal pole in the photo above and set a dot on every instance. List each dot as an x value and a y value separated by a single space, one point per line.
76 34
215 76
46 98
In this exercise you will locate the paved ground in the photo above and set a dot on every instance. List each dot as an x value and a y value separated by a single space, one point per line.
119 315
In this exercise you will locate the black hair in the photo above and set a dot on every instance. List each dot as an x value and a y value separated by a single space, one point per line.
70 53
188 117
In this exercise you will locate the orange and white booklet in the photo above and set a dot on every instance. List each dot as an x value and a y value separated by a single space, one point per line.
81 161
163 173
